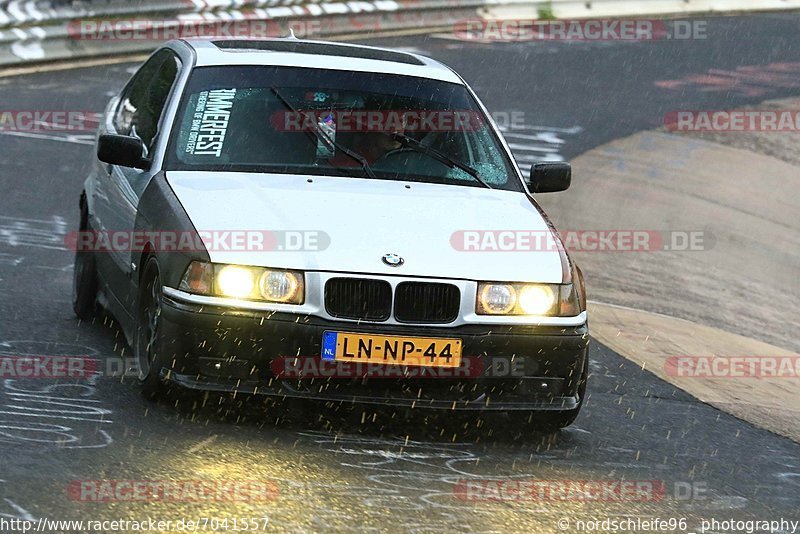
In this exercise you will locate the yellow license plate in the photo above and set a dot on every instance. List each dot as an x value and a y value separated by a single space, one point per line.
394 350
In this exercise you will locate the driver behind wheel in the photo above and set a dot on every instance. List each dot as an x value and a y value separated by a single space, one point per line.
366 141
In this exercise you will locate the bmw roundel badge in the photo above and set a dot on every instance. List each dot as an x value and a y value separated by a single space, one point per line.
393 260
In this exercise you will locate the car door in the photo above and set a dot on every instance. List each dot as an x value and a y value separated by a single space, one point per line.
139 113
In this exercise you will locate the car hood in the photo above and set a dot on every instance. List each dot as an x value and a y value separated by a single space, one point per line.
355 222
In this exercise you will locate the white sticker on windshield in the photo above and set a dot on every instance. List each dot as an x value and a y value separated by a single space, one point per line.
210 122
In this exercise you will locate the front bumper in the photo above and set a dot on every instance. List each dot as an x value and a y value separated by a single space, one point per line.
522 367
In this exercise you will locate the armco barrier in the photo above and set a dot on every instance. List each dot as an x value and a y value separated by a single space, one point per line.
569 9
38 30
22 43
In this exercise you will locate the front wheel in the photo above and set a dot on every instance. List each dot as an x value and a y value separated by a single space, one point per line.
84 279
149 341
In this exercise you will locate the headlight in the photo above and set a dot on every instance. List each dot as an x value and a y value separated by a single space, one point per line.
235 282
281 286
245 283
553 300
537 300
499 299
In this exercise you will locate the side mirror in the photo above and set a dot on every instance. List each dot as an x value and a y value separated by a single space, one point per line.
122 150
550 177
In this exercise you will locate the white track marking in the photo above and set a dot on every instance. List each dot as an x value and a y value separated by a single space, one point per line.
203 444
40 233
536 143
21 512
76 139
570 131
8 259
532 148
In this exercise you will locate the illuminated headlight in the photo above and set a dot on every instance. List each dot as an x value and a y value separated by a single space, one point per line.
235 282
537 300
553 300
245 283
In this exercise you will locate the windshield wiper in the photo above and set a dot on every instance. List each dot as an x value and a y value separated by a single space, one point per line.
439 156
323 137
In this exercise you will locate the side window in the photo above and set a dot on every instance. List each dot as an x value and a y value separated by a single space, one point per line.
143 99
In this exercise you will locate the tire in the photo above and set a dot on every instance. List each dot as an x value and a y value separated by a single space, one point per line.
549 421
149 334
84 278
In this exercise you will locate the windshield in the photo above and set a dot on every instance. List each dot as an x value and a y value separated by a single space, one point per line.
337 123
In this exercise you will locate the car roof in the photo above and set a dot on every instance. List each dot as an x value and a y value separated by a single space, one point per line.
317 54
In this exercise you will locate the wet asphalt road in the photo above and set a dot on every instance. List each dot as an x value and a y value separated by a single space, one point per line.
336 472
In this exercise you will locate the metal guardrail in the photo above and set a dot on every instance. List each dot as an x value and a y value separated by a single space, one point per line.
39 30
616 8
49 35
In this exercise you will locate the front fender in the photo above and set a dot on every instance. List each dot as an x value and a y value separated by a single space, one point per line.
160 211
